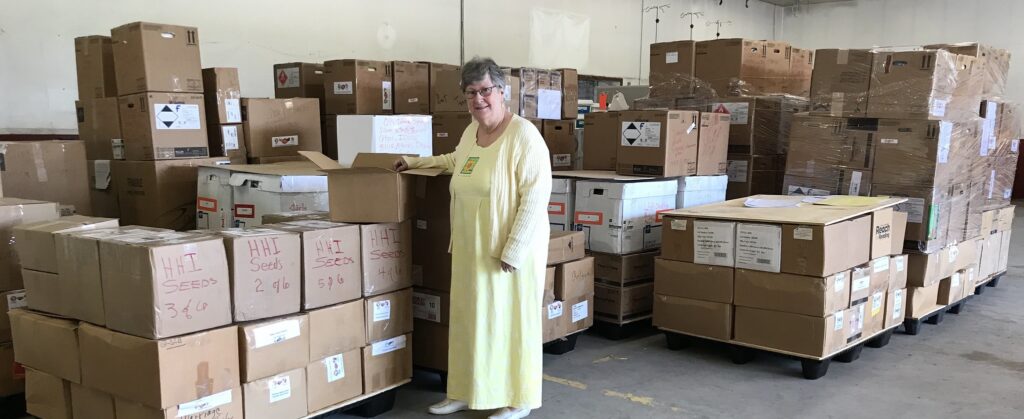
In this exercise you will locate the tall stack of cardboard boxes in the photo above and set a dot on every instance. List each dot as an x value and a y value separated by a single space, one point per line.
569 290
99 121
431 272
223 100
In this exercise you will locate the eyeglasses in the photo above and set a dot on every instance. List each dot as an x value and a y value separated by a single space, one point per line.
485 92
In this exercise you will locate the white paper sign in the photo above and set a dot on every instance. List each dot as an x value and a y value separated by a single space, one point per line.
679 225
176 116
381 310
117 148
102 169
387 346
555 310
855 179
204 404
279 388
671 57
426 306
275 332
233 110
343 88
739 112
230 134
713 243
335 366
945 136
386 95
549 104
939 107
641 134
580 311
759 247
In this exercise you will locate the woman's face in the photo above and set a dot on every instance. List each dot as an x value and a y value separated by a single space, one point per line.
485 100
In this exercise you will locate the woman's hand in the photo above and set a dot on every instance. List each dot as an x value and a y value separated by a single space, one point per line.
400 165
507 268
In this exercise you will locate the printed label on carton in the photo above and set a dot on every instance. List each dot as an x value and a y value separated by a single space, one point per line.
840 282
855 179
671 57
939 107
803 233
554 310
914 207
421 224
900 263
737 170
713 243
954 252
580 311
838 324
945 135
881 264
16 300
381 310
897 312
233 110
877 303
335 366
343 88
275 332
561 160
860 284
387 346
955 280
288 77
890 141
176 116
759 247
284 141
808 191
739 112
117 148
679 225
230 134
386 95
279 388
641 134
426 306
204 404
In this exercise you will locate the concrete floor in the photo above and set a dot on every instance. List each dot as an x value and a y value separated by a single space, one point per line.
971 365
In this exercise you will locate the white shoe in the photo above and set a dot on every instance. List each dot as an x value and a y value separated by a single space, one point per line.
447 407
510 413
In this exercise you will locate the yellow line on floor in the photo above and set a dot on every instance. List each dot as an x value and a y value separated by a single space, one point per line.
568 383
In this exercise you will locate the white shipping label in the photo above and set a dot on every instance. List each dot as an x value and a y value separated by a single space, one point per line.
507 91
988 139
877 303
641 134
1015 146
232 110
803 233
679 225
739 112
840 282
580 311
881 264
561 160
230 134
955 280
860 284
759 247
954 252
914 207
102 174
897 305
890 141
900 263
671 57
177 116
381 310
335 366
855 179
284 141
1007 193
939 107
16 300
279 388
386 95
204 404
713 243
839 320
737 170
288 77
426 306
275 332
945 136
117 148
991 183
387 346
555 310
421 224
343 88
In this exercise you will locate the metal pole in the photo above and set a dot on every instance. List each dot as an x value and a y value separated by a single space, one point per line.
462 32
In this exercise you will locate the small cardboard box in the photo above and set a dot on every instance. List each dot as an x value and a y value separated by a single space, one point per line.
688 280
658 143
44 289
336 329
624 269
694 317
358 87
601 137
332 267
562 204
560 137
266 275
47 170
300 80
447 130
225 404
555 320
334 379
411 82
153 57
922 300
574 279
163 126
227 140
47 344
164 373
806 335
47 396
824 250
895 307
431 349
280 396
94 64
623 302
392 134
951 290
15 211
281 127
255 190
387 363
99 125
446 93
36 242
713 144
273 346
89 403
387 257
623 217
389 315
565 246
164 285
102 193
158 193
808 295
223 95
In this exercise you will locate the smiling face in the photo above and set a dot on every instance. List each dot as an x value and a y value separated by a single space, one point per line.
486 109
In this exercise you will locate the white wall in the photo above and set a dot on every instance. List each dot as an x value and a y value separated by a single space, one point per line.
867 23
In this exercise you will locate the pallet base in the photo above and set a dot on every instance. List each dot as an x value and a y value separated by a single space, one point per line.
441 374
13 406
912 326
612 330
562 346
367 405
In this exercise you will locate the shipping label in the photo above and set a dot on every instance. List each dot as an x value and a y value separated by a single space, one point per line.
840 282
16 300
641 134
555 310
580 311
945 137
838 323
117 148
284 141
679 225
343 88
803 233
275 333
938 107
900 262
897 312
232 110
386 95
881 264
288 77
335 366
204 404
713 243
230 134
102 174
561 160
759 247
739 112
426 306
855 179
877 303
671 57
861 283
387 346
279 388
381 310
175 116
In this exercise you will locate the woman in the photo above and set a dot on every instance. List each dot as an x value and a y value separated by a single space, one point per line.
501 184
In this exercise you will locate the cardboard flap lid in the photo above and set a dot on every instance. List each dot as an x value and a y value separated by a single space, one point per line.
598 174
802 213
281 183
703 183
70 222
365 163
627 190
8 202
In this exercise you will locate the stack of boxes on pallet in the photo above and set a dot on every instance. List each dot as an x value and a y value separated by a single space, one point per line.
431 272
549 98
569 301
790 277
223 100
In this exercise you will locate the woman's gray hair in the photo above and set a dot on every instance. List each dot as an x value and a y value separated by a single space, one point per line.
477 68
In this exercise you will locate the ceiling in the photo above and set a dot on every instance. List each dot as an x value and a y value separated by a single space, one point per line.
788 3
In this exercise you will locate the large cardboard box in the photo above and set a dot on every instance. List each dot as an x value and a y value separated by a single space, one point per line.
700 190
694 317
36 242
158 193
163 126
387 257
601 137
560 136
895 307
358 87
280 396
388 315
266 274
99 126
555 321
48 171
912 84
820 146
164 373
281 127
94 65
801 66
225 404
448 128
759 125
951 290
624 269
808 295
240 195
336 329
334 379
153 57
713 144
700 282
300 80
574 279
394 134
89 403
805 335
722 63
9 300
658 143
922 153
431 262
411 83
562 204
223 95
273 346
332 267
672 68
432 344
47 396
623 302
922 300
12 374
622 217
387 363
565 246
928 213
163 285
47 344
754 175
102 193
840 81
777 62
446 93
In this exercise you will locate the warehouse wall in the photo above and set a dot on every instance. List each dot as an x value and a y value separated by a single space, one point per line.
866 23
601 37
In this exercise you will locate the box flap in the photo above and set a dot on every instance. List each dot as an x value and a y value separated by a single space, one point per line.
801 213
365 163
597 174
281 183
320 160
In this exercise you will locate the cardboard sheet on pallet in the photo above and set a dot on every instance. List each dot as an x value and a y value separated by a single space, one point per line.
599 174
803 213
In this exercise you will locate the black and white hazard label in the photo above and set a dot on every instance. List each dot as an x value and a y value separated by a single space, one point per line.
641 134
176 116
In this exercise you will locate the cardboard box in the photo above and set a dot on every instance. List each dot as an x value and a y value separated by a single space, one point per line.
387 363
99 126
446 93
601 137
94 64
840 81
47 396
759 125
805 335
393 134
658 143
912 84
1004 252
712 144
89 403
244 194
807 295
895 307
431 262
622 217
300 80
163 126
874 313
152 57
12 374
881 232
165 372
448 128
273 346
722 63
334 379
48 171
336 329
358 87
388 316
570 92
829 249
700 282
623 302
386 256
579 314
10 300
332 268
432 344
801 66
823 146
898 272
700 190
562 204
165 285
951 290
223 95
228 140
226 404
694 317
102 193
574 279
44 289
555 321
922 301
754 175
36 242
280 396
672 68
560 136
286 216
411 82
281 127
265 269
918 152
47 344
565 246
928 213
624 269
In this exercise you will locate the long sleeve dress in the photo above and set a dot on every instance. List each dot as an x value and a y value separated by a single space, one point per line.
498 210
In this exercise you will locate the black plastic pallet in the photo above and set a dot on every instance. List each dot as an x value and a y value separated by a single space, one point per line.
561 346
615 331
811 369
13 406
991 283
369 408
913 326
443 375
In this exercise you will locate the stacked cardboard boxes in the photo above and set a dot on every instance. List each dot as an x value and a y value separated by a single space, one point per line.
432 272
49 170
223 101
243 195
569 300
